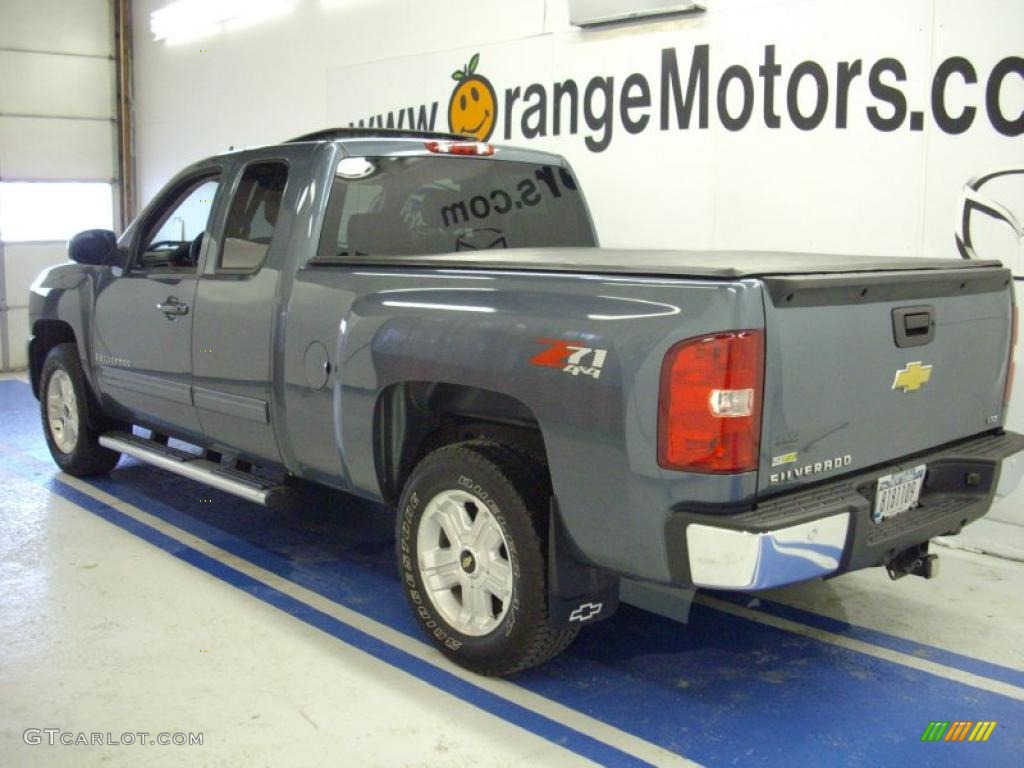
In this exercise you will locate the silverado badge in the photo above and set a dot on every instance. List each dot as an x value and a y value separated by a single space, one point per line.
913 377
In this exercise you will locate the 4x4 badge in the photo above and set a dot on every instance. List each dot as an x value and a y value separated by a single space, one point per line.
571 358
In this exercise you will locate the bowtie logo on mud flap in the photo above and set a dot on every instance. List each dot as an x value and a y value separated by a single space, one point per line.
586 612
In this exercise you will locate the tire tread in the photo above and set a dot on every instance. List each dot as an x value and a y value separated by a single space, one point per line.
528 479
548 641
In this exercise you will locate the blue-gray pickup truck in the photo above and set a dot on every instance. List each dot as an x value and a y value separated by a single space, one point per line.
428 322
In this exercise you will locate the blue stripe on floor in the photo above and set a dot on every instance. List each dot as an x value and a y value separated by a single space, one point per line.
542 726
723 690
880 639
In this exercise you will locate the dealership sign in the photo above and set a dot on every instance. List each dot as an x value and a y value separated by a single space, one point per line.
683 95
814 126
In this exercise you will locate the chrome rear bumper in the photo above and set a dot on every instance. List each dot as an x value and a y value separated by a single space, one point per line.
721 558
1010 475
827 528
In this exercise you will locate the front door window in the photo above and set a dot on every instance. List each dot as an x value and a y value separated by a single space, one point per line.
173 240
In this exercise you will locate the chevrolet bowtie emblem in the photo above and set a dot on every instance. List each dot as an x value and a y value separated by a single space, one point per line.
912 378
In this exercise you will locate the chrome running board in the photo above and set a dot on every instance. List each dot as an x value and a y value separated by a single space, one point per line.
241 484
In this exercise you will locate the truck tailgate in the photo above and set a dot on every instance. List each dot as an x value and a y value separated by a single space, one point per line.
861 369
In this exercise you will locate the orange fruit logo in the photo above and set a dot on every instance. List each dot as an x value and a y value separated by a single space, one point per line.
473 107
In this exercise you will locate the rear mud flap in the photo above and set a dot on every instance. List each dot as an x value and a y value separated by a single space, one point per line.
577 593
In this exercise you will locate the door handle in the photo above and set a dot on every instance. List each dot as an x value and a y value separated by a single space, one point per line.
171 307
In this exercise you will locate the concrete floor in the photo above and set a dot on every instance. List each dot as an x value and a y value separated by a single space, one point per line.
145 603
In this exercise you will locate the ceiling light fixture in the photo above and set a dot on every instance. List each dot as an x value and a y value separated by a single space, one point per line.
186 17
593 13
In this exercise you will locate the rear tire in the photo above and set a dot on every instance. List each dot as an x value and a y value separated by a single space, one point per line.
63 401
472 543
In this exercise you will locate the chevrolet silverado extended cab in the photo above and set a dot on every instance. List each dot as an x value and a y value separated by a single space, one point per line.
428 322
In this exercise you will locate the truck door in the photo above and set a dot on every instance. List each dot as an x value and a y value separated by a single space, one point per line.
235 309
142 327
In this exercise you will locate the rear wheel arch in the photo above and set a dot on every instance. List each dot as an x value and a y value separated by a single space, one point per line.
413 418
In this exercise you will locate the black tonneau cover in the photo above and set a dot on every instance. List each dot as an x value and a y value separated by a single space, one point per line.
693 264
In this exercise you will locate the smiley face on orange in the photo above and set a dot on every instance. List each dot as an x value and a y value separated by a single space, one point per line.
473 107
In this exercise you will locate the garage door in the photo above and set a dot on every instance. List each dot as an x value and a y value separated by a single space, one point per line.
58 140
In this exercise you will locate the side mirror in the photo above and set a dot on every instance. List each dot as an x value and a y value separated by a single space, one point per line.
92 246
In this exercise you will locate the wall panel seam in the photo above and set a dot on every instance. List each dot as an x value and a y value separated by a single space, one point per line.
41 52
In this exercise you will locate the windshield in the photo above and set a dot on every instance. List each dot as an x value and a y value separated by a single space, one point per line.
396 206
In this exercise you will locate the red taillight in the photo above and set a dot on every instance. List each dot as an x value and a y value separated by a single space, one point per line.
460 147
1011 368
709 409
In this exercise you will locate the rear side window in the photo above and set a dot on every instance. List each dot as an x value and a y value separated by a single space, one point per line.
397 206
253 217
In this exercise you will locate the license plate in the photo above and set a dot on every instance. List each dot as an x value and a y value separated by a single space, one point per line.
898 492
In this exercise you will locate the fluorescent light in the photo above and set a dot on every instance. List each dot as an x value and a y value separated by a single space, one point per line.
592 13
666 309
449 307
460 289
185 17
448 275
34 210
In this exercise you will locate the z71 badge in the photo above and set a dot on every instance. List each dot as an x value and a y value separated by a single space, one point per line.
571 358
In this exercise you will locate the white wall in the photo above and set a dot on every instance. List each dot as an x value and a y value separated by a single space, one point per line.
330 62
266 81
828 189
56 124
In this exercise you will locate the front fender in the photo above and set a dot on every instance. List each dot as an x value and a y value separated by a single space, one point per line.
65 293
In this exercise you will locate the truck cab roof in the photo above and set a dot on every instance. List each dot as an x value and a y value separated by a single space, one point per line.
378 142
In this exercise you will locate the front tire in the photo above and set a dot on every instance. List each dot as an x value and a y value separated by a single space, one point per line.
471 544
63 400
